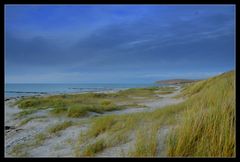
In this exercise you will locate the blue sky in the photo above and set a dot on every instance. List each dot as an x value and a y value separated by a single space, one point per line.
117 43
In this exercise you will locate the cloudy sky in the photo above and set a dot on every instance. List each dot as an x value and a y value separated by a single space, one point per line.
117 43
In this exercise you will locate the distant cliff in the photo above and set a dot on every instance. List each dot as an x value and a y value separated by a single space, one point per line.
176 81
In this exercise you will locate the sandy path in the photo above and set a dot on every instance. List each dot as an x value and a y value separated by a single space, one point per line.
161 102
162 134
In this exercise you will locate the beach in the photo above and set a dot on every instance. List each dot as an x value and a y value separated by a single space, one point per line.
21 132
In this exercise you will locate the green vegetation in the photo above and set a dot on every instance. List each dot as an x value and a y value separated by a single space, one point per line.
146 142
25 121
208 126
59 127
91 149
25 112
78 110
138 92
167 88
166 92
51 131
39 139
18 151
77 105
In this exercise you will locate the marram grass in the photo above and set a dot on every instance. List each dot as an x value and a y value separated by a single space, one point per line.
208 125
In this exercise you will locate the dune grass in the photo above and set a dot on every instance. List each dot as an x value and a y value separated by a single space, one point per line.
165 92
50 132
77 105
208 125
23 113
117 129
93 148
25 121
146 142
61 126
205 124
18 150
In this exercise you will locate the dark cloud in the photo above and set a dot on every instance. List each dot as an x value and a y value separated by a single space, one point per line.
152 41
34 51
117 39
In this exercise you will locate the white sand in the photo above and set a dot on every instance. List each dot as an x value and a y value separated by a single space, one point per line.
58 146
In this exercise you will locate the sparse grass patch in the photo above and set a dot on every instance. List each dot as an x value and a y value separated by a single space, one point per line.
138 92
39 139
25 121
25 112
167 88
78 110
165 92
92 149
100 125
69 141
58 111
106 103
58 127
135 105
21 149
18 150
146 142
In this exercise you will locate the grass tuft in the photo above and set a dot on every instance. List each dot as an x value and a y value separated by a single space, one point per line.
61 126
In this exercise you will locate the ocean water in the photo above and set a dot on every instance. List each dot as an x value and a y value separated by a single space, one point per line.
16 90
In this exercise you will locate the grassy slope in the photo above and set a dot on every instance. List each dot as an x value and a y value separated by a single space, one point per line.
208 126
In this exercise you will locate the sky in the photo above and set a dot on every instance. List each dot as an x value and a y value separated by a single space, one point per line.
117 43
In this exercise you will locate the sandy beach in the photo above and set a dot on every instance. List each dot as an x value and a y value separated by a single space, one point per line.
62 144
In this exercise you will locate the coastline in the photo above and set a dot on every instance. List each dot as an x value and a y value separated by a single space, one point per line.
45 94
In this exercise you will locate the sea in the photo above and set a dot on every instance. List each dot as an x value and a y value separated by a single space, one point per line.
18 90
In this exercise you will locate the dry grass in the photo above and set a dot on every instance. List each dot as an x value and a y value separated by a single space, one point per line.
146 142
92 149
25 121
58 127
208 126
77 105
116 129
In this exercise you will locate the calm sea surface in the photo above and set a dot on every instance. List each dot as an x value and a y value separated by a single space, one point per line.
14 90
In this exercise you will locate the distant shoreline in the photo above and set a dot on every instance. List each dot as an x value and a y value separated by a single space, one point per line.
42 94
84 90
176 81
18 90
